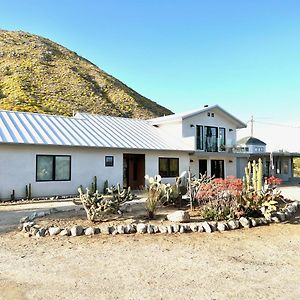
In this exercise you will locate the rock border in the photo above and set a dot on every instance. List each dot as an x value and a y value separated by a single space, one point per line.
30 228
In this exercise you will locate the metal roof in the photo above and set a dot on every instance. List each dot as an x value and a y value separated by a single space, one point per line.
249 140
184 115
84 130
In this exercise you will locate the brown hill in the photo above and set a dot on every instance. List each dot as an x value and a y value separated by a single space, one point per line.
38 75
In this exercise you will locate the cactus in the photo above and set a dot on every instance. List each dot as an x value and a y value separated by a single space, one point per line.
259 176
105 187
95 183
253 180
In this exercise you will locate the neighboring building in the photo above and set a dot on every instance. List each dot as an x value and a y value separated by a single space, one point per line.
57 154
277 163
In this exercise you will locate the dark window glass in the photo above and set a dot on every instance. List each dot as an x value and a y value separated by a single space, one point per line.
199 137
211 139
168 167
53 168
222 139
109 161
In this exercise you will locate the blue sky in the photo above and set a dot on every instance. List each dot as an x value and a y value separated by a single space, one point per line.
243 55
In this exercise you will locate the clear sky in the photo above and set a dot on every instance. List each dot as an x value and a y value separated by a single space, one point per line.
241 54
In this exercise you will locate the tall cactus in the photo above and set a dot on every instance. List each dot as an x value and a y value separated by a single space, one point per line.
259 176
254 176
248 176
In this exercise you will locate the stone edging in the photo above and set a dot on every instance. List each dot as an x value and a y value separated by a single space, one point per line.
29 228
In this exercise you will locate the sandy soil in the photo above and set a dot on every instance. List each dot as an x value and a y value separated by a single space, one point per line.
257 263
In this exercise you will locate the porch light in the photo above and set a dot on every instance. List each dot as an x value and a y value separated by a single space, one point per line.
192 125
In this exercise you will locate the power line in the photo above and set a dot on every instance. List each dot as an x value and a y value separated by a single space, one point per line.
277 124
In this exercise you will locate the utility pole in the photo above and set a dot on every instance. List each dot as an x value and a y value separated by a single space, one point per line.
252 126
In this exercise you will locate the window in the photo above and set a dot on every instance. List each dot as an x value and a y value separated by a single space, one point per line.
211 139
53 167
285 167
199 137
222 139
213 115
208 114
168 167
109 161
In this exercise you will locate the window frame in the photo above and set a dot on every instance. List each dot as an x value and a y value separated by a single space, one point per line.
201 137
53 167
106 163
168 167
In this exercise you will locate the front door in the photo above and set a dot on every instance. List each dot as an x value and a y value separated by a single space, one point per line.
217 168
133 171
202 167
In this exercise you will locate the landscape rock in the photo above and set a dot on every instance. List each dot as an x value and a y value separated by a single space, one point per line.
155 229
40 214
281 216
96 230
150 229
244 222
213 226
41 232
275 219
176 228
169 229
182 229
233 224
34 230
162 229
121 229
65 232
105 230
206 227
179 216
253 222
54 230
194 227
76 230
200 227
141 228
221 226
114 230
89 231
33 216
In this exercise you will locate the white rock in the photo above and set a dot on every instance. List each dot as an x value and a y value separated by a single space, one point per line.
194 227
155 229
213 226
24 219
89 231
200 227
233 224
54 230
169 229
76 230
150 229
141 228
221 226
179 216
206 227
41 232
176 228
281 216
162 229
182 229
121 229
105 230
65 232
244 222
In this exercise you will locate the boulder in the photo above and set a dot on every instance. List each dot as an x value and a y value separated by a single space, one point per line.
65 232
162 229
76 230
281 216
233 224
169 228
155 229
105 230
176 228
96 230
200 227
179 216
244 222
150 229
24 219
206 227
141 228
182 229
213 226
89 231
54 230
121 229
221 226
41 232
194 227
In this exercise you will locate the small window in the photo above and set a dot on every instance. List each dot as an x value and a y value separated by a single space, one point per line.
109 161
168 167
53 168
199 137
213 115
208 114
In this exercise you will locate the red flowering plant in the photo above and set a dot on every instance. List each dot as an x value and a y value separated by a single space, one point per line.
273 181
218 198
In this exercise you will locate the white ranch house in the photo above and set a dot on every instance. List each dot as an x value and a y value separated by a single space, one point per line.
56 154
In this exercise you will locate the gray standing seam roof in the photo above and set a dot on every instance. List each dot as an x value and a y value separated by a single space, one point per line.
84 130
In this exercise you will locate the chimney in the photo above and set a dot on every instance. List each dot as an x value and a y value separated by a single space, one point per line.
205 105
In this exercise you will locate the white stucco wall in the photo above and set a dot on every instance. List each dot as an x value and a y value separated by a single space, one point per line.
18 168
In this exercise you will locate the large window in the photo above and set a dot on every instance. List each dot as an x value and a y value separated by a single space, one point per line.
53 168
222 139
168 167
199 137
211 139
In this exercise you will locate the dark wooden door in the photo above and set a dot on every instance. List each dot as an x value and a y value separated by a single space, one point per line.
133 170
202 166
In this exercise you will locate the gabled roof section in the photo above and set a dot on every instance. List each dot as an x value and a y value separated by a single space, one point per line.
83 130
249 140
184 115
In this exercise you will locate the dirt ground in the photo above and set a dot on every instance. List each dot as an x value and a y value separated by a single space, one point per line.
257 263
